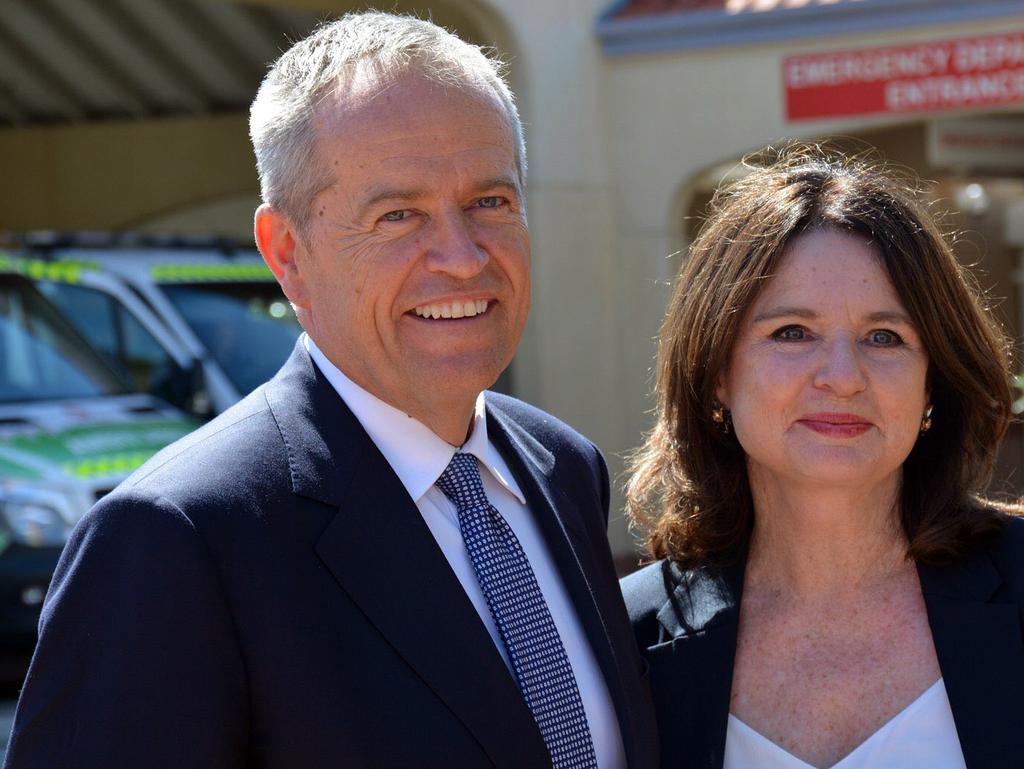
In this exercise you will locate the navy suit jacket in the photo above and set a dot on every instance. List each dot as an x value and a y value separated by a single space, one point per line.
686 622
265 594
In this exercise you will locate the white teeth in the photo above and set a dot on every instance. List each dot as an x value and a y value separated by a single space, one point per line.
465 309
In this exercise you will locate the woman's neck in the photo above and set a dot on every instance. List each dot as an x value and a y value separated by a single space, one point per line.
824 541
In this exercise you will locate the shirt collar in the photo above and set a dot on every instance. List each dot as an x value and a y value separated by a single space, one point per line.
415 452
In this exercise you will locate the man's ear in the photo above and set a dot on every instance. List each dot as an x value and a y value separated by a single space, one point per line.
280 244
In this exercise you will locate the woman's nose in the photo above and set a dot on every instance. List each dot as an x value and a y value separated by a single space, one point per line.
841 369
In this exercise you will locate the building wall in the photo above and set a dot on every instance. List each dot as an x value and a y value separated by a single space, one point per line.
621 149
118 174
673 116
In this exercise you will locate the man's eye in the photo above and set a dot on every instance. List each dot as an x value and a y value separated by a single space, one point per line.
396 216
885 338
790 334
492 201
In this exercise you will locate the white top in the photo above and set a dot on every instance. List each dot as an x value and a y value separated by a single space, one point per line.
921 735
419 456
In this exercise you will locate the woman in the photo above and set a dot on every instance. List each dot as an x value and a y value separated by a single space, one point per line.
831 396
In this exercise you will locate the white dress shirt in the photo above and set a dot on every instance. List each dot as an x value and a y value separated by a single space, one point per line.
419 456
921 735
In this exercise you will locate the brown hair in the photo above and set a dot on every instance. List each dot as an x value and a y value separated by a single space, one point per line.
688 490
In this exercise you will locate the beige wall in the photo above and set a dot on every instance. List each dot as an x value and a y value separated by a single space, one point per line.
119 174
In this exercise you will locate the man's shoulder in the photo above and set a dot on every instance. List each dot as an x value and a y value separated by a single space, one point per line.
241 442
548 429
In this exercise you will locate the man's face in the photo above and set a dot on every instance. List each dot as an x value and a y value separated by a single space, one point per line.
414 278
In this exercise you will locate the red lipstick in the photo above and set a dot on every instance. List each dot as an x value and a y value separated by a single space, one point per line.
836 425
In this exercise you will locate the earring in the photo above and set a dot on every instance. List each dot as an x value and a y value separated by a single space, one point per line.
926 420
720 416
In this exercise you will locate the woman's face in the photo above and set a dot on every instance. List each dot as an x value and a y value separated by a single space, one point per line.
827 378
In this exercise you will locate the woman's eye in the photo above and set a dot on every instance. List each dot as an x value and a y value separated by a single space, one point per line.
790 334
885 338
396 216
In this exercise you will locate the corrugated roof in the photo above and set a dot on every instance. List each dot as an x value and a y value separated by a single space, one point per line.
80 60
635 8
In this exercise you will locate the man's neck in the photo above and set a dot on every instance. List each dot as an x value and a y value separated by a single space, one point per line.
447 415
453 425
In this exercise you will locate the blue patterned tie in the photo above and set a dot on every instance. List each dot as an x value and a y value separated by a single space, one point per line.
522 616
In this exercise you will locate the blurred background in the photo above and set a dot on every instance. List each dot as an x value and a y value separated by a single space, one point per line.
128 187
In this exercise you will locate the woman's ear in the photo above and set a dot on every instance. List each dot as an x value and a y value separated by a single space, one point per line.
721 391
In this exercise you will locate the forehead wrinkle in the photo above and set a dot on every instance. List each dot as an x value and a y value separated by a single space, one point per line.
377 193
479 145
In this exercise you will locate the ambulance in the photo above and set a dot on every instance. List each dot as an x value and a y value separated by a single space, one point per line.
199 324
71 429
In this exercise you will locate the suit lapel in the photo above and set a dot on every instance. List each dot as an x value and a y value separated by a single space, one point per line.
979 644
981 653
384 557
562 524
691 671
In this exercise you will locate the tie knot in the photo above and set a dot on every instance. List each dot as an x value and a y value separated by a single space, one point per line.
461 482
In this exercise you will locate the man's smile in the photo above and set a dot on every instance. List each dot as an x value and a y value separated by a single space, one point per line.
454 309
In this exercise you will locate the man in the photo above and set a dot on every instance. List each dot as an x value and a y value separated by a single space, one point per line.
366 563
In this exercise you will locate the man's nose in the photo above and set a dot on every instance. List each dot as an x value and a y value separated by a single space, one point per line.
453 249
841 368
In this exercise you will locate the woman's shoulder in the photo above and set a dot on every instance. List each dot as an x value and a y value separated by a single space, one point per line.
648 589
666 600
991 571
646 592
1007 553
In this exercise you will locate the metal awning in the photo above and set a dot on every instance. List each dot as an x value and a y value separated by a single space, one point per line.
84 60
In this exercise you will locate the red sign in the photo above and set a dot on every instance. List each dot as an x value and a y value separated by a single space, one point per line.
928 77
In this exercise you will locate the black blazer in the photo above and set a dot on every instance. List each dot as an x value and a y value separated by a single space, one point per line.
265 594
686 624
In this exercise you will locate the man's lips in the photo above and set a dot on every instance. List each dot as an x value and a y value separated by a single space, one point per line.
453 309
836 425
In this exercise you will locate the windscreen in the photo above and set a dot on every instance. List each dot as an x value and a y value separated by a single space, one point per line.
248 328
41 356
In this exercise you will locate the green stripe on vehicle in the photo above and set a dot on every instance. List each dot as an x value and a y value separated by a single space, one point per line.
106 464
40 269
210 273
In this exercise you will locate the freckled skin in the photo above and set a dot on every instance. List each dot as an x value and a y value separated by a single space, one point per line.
818 677
772 383
452 228
834 638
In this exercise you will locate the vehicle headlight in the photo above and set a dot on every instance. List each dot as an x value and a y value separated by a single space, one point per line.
35 516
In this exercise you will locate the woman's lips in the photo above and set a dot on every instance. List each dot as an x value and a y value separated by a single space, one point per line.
836 425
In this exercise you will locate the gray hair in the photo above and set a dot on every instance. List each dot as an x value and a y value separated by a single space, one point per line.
281 120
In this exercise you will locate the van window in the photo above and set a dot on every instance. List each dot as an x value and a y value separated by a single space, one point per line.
122 339
41 356
249 328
